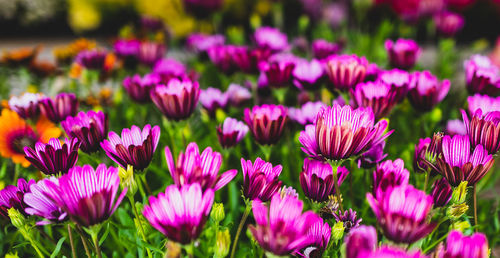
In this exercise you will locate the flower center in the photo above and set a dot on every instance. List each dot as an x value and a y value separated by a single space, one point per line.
21 141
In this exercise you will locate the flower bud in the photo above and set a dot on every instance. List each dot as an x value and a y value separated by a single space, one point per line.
217 213
459 193
461 226
338 231
127 179
16 218
434 149
173 249
223 242
456 211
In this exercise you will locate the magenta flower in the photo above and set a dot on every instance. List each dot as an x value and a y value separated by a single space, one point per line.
455 126
419 164
238 94
342 132
266 122
320 234
361 241
484 129
26 105
278 69
349 219
389 251
260 179
203 8
139 88
399 80
231 132
484 102
53 158
39 204
372 72
403 53
389 174
59 108
345 71
282 228
426 91
308 75
448 23
271 38
89 128
321 49
93 59
128 51
168 68
372 156
441 192
176 100
151 52
12 196
482 76
458 245
307 113
377 96
181 212
212 99
457 164
87 196
223 57
135 147
316 179
402 213
203 169
200 43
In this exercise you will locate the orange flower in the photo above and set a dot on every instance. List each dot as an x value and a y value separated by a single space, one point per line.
21 56
18 134
75 71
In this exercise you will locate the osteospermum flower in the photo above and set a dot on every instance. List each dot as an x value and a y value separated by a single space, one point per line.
176 100
39 204
458 164
260 179
200 43
53 158
181 212
231 132
212 99
320 234
282 228
389 174
271 38
136 147
441 192
278 69
139 88
426 91
419 164
484 102
342 132
26 105
402 213
59 108
399 80
266 122
349 219
361 240
458 245
308 75
87 195
128 51
151 52
448 23
482 76
322 49
168 68
455 126
238 94
12 197
345 71
484 129
95 59
223 57
377 96
18 134
372 156
193 167
307 113
90 128
403 53
317 179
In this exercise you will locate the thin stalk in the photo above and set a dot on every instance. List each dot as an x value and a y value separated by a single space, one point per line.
435 243
16 172
95 238
84 241
335 167
146 185
426 181
240 227
141 229
73 253
475 207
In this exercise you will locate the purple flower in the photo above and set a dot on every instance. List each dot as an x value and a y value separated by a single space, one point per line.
223 57
271 38
307 113
342 132
58 109
39 204
458 245
168 68
278 69
372 156
399 80
484 129
403 53
151 52
377 96
322 49
53 158
457 164
212 99
308 75
89 128
231 132
349 219
372 72
238 94
181 212
345 71
455 126
266 122
92 59
448 23
202 8
282 228
176 100
360 241
139 88
260 179
316 179
482 76
426 91
203 169
26 105
128 51
395 252
200 43
402 213
320 234
135 147
389 174
12 196
484 102
419 164
87 196
441 192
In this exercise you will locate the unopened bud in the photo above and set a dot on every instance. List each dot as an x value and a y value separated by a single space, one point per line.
338 231
434 149
127 179
456 211
17 219
173 249
459 193
223 242
461 226
217 213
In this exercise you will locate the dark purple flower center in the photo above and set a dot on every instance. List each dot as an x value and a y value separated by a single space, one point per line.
21 140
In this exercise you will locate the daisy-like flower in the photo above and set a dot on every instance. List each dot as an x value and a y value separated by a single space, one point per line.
484 102
18 134
200 43
12 197
482 76
181 212
136 147
322 49
150 52
307 113
308 75
458 245
377 96
389 174
345 71
260 179
361 240
372 156
139 88
87 196
59 108
278 69
403 53
426 91
168 68
441 192
53 158
448 23
39 204
271 38
317 178
484 129
212 98
266 122
399 80
176 100
95 59
231 132
238 94
128 51
193 167
349 219
90 128
320 234
26 105
455 126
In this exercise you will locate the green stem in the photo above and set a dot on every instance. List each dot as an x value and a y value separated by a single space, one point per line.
426 181
95 238
146 185
335 165
70 235
435 243
16 172
240 227
475 207
141 229
266 150
84 241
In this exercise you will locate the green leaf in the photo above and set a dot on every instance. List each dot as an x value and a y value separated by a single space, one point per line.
58 247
